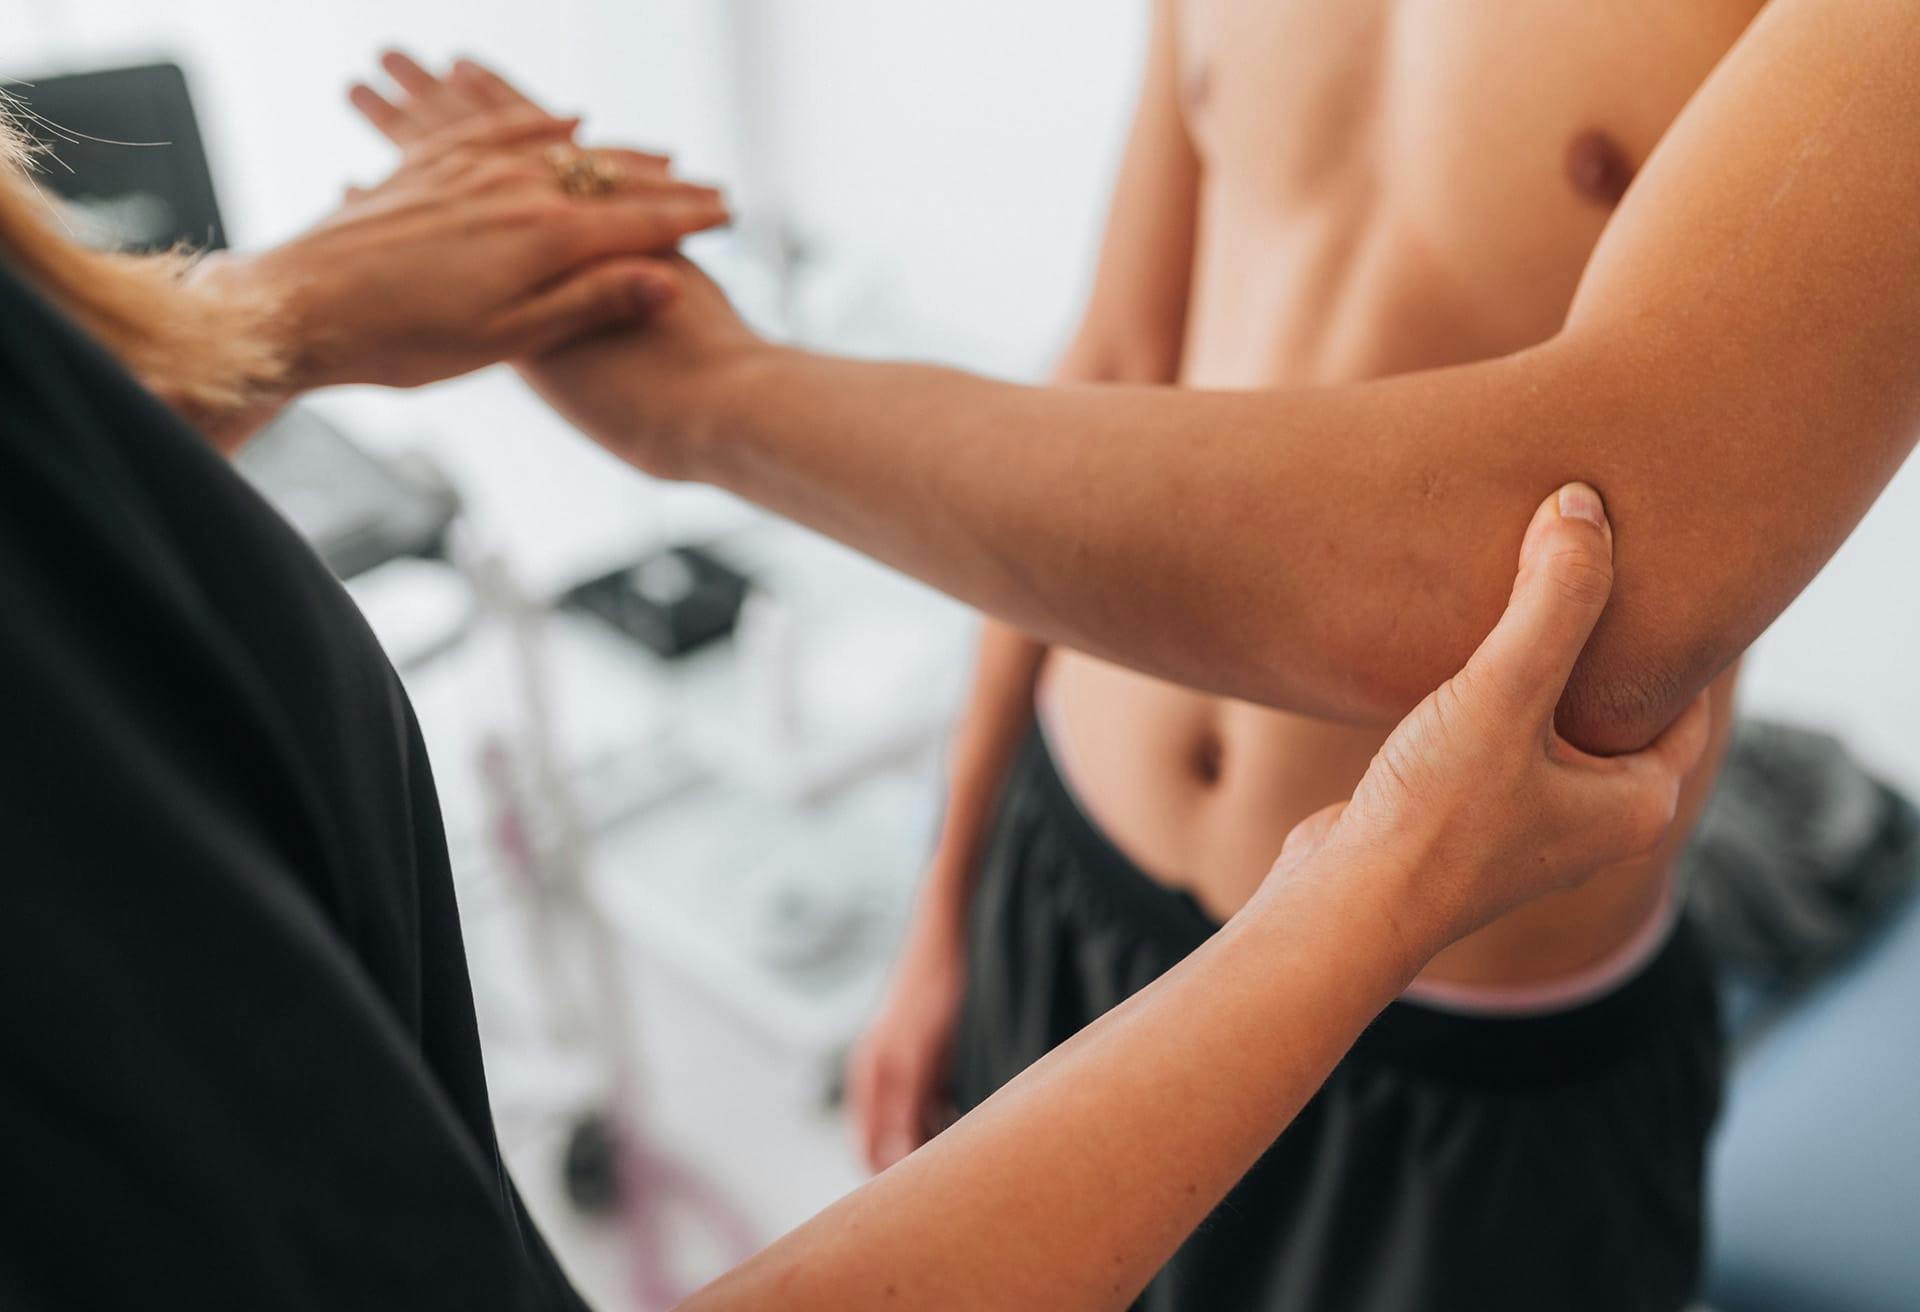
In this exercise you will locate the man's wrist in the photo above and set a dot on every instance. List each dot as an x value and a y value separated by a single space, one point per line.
723 419
941 906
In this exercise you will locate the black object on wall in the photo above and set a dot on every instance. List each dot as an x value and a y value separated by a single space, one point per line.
124 146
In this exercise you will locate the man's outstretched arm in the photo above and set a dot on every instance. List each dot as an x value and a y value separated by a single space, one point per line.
1739 375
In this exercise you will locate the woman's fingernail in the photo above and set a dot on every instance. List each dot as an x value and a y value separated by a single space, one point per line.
1578 501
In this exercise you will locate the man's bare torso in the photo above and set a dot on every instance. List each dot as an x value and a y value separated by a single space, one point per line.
1386 187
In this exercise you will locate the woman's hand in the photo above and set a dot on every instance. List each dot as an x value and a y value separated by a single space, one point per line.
472 253
1476 796
643 394
424 104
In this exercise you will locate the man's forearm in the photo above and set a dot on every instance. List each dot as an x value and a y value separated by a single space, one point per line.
1109 348
1334 551
1208 1066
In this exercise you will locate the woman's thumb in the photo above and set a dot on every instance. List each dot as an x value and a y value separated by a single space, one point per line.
1565 578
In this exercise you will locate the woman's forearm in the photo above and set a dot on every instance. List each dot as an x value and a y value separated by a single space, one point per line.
1076 1182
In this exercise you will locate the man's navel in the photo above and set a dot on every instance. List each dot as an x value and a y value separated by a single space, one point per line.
1209 757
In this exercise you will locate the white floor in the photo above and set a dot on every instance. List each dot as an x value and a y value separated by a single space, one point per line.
747 1116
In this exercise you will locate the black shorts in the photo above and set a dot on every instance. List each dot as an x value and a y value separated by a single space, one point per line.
1451 1163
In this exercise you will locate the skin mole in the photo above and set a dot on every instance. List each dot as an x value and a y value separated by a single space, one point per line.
1598 168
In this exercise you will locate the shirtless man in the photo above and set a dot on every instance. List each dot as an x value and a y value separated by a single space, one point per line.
1318 194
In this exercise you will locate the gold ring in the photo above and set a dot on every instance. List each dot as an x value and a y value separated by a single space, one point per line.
583 174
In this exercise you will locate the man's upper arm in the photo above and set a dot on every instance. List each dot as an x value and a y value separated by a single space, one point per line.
1136 316
1751 321
1739 375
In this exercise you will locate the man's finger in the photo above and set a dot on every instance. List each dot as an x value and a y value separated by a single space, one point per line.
862 1091
902 1123
1565 578
609 294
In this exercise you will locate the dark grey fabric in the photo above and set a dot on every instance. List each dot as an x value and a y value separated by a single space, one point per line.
1801 852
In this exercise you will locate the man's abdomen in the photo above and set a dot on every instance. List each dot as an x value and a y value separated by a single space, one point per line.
1200 792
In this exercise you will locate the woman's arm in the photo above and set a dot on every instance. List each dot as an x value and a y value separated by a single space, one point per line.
1070 1187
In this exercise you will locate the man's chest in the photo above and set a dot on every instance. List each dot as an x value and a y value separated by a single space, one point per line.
1476 110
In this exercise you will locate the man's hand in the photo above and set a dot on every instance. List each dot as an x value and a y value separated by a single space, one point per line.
1484 805
647 393
897 1076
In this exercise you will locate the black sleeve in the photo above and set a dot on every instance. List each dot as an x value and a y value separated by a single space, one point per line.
205 1100
204 1103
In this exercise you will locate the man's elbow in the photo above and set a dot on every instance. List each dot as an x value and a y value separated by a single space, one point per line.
1623 693
1615 704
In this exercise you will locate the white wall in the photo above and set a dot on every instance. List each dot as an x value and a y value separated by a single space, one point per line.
946 163
952 160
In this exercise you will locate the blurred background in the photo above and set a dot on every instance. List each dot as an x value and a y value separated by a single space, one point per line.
742 819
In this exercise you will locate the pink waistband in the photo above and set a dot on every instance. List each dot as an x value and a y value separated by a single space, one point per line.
1562 994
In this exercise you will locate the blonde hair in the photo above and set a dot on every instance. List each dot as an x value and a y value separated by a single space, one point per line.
206 351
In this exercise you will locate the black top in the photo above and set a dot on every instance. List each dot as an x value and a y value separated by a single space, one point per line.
238 1060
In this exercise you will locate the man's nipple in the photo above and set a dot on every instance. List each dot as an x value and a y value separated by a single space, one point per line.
1598 168
1196 87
